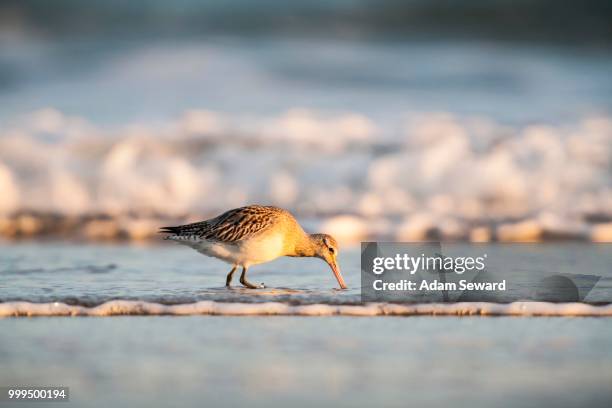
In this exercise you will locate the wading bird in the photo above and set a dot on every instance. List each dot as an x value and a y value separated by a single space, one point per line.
252 235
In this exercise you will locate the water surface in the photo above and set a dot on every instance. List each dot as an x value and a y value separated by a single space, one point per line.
339 361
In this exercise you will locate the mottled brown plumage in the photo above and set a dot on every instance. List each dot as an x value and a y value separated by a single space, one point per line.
233 225
255 234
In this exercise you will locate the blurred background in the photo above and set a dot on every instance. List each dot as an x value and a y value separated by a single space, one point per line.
460 120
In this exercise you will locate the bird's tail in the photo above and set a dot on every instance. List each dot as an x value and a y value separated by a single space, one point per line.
169 230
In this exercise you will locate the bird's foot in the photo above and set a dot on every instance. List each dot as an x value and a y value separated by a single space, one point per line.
250 285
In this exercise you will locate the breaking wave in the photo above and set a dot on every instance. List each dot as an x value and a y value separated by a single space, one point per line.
126 307
363 178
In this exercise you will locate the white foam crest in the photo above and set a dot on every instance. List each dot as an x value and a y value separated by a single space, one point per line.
439 166
128 307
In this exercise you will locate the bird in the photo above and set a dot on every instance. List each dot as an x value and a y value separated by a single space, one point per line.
255 234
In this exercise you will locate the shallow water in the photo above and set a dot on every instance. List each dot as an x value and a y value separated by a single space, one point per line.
339 361
89 275
170 274
142 279
144 361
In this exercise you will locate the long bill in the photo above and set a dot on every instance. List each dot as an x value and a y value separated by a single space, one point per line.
336 270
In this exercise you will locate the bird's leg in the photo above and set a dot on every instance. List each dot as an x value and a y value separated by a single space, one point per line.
246 283
228 281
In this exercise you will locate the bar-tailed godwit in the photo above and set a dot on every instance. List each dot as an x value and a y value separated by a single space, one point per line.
252 235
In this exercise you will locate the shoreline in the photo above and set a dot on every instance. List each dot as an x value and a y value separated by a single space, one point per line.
213 308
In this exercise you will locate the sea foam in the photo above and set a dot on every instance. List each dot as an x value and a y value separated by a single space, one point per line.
139 308
356 176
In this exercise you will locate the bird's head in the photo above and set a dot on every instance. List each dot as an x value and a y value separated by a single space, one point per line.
326 248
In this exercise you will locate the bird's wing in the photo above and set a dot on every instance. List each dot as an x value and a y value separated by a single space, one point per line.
232 226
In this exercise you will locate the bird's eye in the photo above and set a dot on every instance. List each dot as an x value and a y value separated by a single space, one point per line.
331 250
